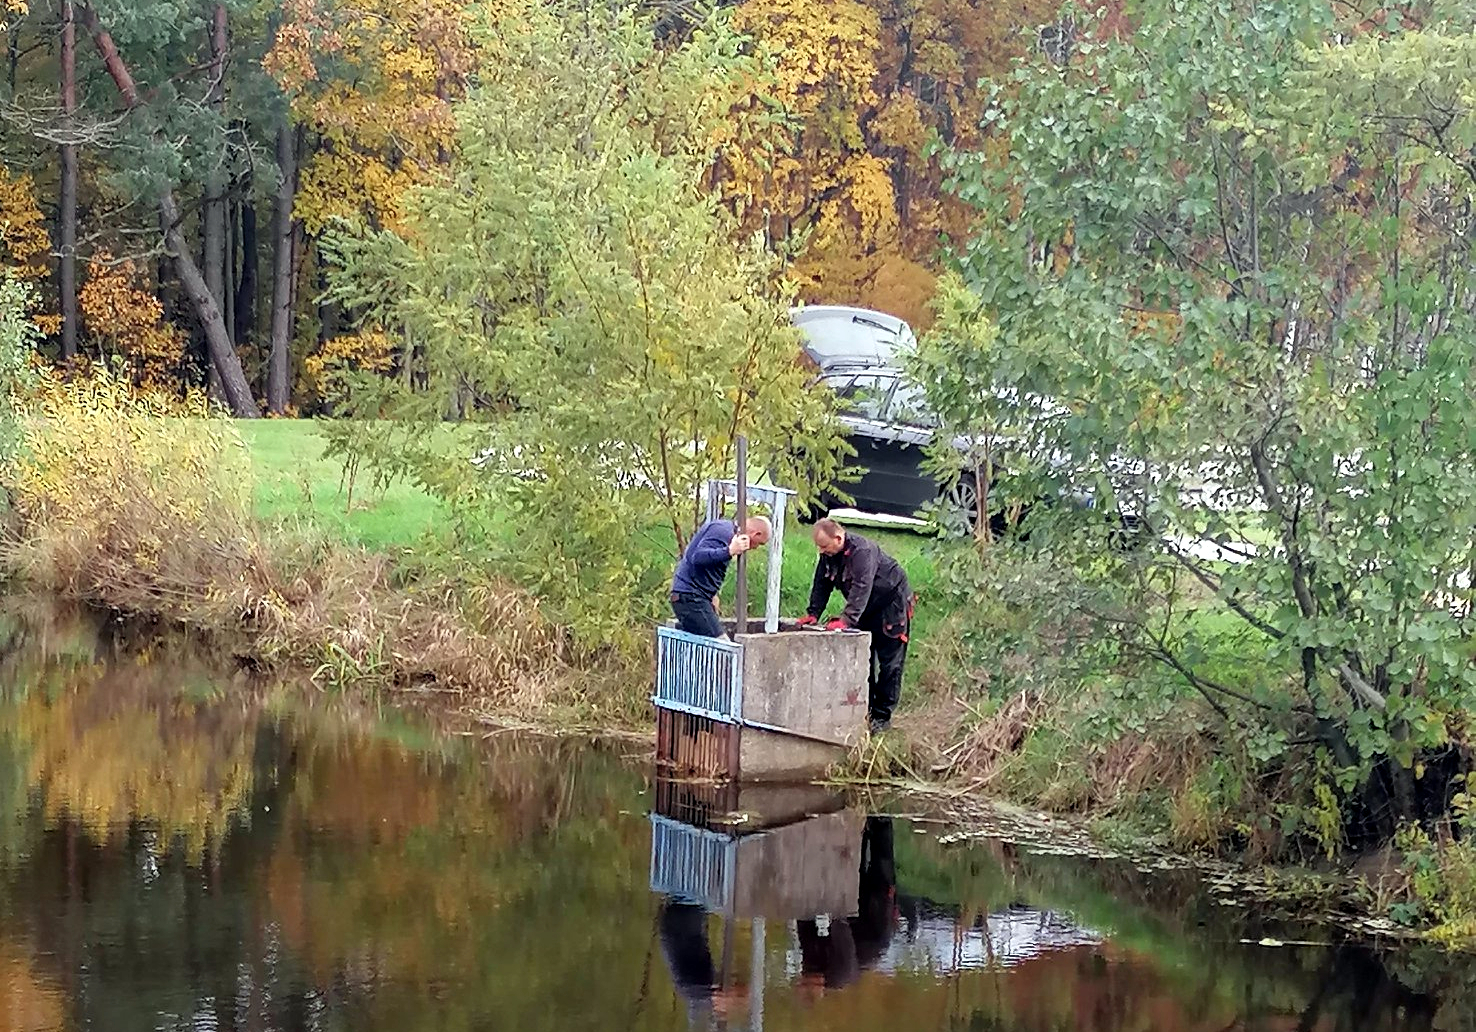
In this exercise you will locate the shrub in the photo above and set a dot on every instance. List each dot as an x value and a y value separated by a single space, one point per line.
140 503
129 495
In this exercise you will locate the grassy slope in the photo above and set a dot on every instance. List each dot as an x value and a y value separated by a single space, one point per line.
293 480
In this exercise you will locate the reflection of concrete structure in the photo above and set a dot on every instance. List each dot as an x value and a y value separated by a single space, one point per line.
737 852
747 851
793 871
742 806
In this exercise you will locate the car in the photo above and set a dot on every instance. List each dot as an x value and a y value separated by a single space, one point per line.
855 352
839 334
887 422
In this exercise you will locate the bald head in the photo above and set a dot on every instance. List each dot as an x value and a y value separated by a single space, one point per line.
758 529
830 536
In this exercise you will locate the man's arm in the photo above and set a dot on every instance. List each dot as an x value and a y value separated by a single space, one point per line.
863 573
820 589
712 550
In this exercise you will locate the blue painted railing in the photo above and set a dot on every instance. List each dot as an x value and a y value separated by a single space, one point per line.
699 675
692 864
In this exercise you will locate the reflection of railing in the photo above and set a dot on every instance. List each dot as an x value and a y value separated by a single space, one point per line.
693 864
697 675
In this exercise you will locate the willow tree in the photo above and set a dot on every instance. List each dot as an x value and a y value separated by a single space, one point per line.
1236 250
572 291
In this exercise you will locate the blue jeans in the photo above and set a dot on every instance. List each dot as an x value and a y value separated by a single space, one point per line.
695 615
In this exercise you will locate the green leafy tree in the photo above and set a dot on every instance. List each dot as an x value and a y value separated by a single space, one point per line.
573 289
17 340
1235 250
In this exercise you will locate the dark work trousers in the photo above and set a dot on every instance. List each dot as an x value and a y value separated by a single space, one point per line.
695 615
889 621
887 657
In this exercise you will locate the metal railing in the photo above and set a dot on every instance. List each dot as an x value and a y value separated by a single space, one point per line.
699 675
692 864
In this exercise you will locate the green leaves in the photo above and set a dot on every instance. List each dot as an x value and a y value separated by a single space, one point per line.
1231 252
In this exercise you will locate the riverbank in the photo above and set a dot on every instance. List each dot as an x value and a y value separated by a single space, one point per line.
249 534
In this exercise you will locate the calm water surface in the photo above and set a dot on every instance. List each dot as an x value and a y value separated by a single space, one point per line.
179 852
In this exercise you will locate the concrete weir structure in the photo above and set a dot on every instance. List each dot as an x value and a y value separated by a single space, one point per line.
763 707
781 705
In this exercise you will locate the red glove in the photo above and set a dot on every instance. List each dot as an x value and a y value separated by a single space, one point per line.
838 624
807 620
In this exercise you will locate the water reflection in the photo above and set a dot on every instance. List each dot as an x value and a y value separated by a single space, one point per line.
828 884
185 849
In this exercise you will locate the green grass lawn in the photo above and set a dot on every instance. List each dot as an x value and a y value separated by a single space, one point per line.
294 481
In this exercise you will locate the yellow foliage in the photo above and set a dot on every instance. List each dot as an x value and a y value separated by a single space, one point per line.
826 53
368 350
127 321
386 124
864 86
899 124
27 245
126 479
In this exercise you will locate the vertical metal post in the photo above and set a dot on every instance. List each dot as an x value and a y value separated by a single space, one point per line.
740 594
776 566
756 979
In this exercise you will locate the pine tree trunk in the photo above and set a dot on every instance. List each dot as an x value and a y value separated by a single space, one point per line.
213 258
246 287
284 265
228 288
223 357
67 214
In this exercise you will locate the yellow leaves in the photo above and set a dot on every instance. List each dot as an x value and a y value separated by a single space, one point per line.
127 320
27 245
382 107
356 186
871 197
104 461
368 350
864 85
899 124
826 52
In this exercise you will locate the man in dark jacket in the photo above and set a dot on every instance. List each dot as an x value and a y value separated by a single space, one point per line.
703 567
878 600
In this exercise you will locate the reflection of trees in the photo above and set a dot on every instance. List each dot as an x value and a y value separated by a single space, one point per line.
503 877
113 744
27 1001
365 885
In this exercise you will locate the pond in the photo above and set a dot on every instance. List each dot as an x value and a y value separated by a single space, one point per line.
186 849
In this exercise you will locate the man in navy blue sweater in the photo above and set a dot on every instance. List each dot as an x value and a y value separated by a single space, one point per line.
700 574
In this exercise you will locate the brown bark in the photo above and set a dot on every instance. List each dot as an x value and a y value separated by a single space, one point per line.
223 357
67 215
284 266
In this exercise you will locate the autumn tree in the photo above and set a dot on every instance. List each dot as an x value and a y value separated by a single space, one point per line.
576 282
224 359
1262 338
847 172
123 319
373 89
